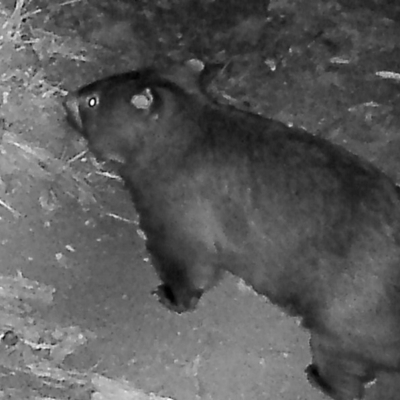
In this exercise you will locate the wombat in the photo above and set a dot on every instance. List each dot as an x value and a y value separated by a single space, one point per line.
305 222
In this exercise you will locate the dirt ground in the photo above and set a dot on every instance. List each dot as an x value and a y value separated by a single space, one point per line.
78 320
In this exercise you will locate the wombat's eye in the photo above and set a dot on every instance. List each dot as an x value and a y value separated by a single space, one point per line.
92 101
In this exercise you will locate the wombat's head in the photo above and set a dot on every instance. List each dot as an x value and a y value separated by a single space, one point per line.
132 114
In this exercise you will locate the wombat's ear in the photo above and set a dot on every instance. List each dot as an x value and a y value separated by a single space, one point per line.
143 100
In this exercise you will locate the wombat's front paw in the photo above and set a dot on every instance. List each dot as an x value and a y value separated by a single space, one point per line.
185 300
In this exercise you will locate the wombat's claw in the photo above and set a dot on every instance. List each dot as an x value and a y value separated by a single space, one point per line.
164 296
167 299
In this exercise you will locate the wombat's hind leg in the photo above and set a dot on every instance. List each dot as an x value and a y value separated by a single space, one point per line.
339 375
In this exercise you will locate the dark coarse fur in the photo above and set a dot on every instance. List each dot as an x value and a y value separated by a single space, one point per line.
305 222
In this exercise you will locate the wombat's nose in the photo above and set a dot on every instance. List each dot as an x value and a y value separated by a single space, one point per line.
71 105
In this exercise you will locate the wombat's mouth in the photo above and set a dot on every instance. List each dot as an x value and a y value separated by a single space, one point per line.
71 105
109 156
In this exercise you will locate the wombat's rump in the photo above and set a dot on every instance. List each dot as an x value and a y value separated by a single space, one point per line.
305 222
